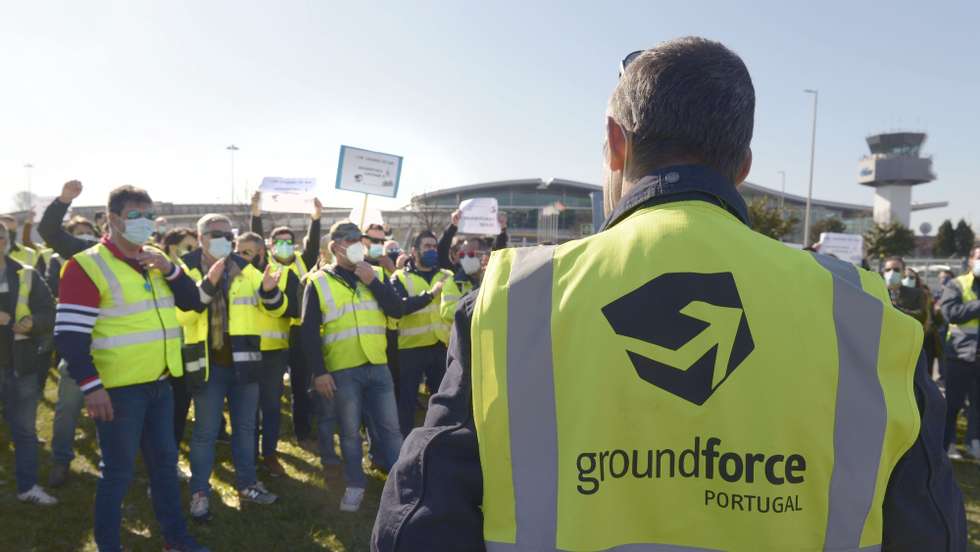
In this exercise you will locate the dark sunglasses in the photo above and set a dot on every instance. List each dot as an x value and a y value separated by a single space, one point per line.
627 60
136 213
472 254
380 241
215 234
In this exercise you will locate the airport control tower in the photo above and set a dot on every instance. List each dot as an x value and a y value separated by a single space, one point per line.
894 166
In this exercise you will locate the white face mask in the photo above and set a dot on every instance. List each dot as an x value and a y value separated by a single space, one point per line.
355 252
138 230
892 278
908 282
219 248
976 269
471 265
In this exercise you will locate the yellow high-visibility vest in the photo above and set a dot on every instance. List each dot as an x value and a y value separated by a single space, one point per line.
24 255
431 324
136 338
245 307
298 267
25 278
352 328
656 387
274 330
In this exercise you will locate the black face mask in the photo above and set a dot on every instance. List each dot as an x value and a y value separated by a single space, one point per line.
394 256
257 262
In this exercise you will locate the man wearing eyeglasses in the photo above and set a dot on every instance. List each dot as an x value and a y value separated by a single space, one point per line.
677 381
282 252
223 359
116 327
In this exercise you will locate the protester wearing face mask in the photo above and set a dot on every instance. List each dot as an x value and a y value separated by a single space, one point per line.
26 319
19 252
448 258
282 252
474 254
429 298
961 310
344 321
275 353
222 352
904 292
117 329
179 242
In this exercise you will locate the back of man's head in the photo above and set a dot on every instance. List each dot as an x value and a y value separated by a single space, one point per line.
688 100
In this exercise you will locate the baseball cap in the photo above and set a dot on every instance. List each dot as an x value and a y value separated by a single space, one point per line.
345 230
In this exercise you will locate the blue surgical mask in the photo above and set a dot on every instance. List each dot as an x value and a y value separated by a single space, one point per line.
430 259
908 282
219 248
138 230
376 250
976 268
893 278
283 250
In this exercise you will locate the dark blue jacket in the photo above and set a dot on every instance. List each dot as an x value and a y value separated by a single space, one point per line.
432 498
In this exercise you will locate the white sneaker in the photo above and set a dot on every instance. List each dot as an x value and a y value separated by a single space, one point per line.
200 506
954 453
973 451
352 499
36 495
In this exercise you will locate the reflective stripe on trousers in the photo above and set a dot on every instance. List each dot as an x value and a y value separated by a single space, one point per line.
859 419
246 356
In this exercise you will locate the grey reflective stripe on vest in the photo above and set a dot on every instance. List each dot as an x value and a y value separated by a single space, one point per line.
115 289
859 424
420 330
861 413
324 287
137 338
249 300
335 314
126 309
275 335
353 332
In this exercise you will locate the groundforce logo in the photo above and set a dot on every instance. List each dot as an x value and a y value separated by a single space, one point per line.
706 460
686 332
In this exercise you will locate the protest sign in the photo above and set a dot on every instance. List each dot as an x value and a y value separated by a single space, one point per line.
479 216
287 195
368 172
846 247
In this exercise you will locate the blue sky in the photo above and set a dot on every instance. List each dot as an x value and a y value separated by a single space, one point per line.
150 93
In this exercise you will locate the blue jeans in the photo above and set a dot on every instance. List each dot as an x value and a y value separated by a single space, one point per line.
412 365
66 414
209 403
369 388
270 399
19 395
326 428
144 411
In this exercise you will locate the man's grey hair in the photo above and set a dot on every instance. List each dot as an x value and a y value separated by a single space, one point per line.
203 222
688 99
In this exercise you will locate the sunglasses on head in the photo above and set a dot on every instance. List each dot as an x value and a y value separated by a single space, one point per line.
215 234
627 60
136 213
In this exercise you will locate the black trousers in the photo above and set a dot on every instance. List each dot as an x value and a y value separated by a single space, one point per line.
182 404
392 352
962 382
300 380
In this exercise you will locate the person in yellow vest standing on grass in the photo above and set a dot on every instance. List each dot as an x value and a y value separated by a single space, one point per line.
345 306
430 296
677 381
961 308
117 329
223 358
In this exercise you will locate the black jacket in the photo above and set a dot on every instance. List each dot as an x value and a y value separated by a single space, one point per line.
30 355
433 495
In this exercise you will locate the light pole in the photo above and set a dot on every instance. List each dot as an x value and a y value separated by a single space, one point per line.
813 150
782 198
232 148
27 169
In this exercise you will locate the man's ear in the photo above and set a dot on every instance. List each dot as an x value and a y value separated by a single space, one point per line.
743 171
615 145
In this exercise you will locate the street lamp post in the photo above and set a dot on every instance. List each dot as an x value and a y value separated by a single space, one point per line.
782 198
232 148
27 169
813 150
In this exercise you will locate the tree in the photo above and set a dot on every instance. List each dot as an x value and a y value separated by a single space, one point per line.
830 224
964 237
886 240
945 244
769 220
429 216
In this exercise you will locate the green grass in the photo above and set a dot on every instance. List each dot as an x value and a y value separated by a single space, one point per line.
306 517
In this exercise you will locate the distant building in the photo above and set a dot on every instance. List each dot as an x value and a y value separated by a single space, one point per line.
892 168
856 218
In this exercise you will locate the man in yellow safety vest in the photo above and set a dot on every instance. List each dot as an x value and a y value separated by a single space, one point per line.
677 381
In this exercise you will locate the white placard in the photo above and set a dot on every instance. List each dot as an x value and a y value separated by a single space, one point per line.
368 172
479 216
287 195
846 247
